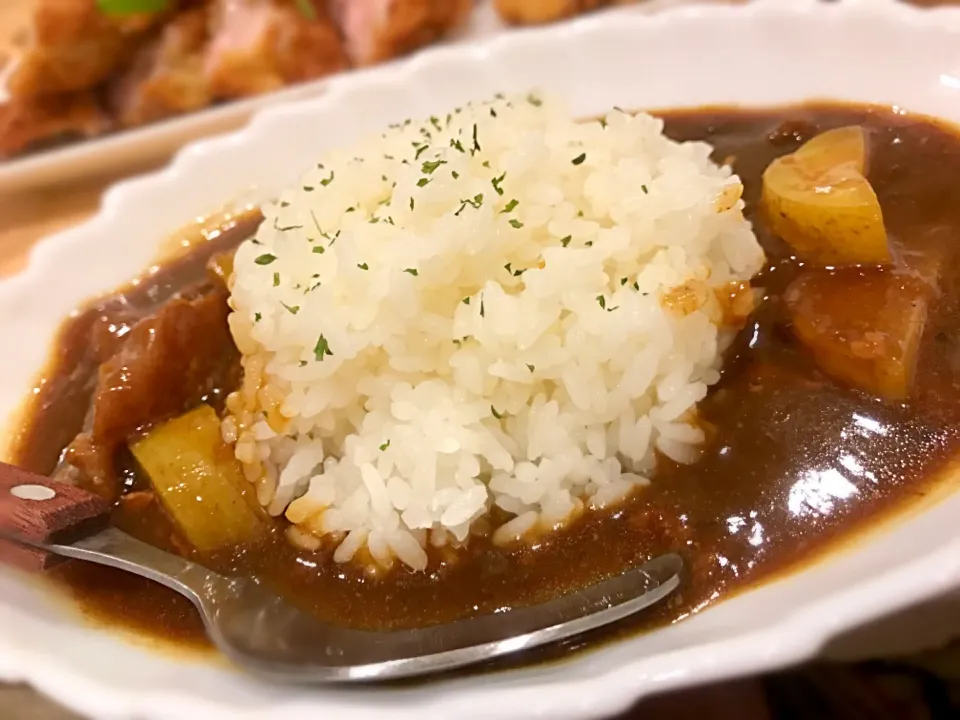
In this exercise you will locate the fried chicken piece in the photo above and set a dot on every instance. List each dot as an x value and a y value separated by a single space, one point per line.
72 45
377 30
530 12
166 77
25 122
262 45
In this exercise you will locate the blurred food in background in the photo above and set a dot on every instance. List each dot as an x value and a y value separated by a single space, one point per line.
527 12
77 69
82 68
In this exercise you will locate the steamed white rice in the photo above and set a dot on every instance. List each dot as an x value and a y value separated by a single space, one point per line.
500 306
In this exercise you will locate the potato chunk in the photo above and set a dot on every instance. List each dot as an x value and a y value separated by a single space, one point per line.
199 481
820 202
863 327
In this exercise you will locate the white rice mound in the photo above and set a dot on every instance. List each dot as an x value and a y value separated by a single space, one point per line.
500 306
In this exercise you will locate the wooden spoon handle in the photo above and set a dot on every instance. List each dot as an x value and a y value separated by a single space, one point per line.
36 509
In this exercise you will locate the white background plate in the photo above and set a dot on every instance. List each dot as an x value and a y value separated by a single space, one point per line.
769 52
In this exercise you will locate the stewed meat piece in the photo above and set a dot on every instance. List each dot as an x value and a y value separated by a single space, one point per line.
166 364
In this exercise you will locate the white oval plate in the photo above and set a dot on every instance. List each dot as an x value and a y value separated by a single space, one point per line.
767 53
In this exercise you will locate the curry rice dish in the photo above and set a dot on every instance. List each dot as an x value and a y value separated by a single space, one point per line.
487 358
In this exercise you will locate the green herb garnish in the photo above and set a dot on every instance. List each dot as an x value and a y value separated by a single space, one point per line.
363 266
319 249
475 202
422 182
602 302
516 223
496 183
510 206
316 224
257 317
566 241
530 367
385 445
534 100
306 9
412 271
276 279
476 143
292 309
430 165
495 413
321 349
265 259
578 160
131 7
326 181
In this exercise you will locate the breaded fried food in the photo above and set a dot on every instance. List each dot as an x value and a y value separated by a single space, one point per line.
263 45
166 76
531 12
27 121
72 45
377 30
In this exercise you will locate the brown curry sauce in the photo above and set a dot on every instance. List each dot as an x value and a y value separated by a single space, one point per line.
796 460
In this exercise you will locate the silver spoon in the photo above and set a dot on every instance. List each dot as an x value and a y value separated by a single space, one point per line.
265 635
